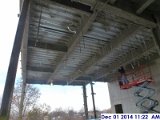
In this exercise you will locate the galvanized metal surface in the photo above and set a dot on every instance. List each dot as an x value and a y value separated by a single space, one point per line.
110 39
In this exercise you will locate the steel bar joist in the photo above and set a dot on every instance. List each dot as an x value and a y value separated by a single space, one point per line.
105 51
136 55
76 37
71 39
136 20
10 80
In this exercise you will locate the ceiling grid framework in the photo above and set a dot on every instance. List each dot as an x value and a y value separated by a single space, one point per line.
69 45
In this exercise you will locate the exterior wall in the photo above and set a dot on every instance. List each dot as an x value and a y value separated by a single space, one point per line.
126 97
155 69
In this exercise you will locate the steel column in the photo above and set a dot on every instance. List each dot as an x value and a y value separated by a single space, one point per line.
92 93
10 79
85 101
22 100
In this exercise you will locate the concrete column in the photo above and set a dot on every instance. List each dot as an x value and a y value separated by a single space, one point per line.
10 80
94 108
85 101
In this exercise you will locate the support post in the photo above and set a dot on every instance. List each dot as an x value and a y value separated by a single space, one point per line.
11 74
85 102
92 93
22 100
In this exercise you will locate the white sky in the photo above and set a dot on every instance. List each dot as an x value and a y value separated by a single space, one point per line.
55 96
72 97
8 25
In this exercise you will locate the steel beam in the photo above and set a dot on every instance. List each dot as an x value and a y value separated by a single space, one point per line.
76 5
93 100
85 102
76 37
10 80
115 11
106 51
48 46
112 10
129 16
40 69
57 82
144 6
125 14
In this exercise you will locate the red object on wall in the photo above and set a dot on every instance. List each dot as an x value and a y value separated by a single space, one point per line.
139 76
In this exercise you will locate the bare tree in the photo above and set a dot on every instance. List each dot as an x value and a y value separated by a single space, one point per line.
58 114
32 94
39 112
70 114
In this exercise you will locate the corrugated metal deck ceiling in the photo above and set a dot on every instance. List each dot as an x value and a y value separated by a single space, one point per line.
72 46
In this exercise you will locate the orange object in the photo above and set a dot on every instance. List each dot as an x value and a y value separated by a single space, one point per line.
138 77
